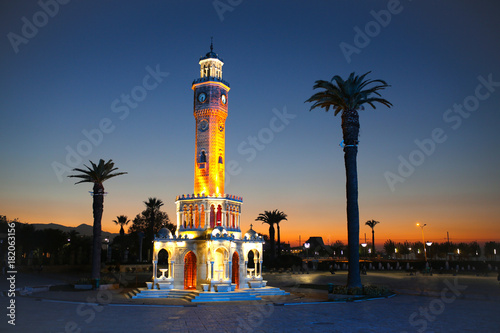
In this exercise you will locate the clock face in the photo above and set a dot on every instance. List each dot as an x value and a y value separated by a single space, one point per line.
203 125
202 97
223 99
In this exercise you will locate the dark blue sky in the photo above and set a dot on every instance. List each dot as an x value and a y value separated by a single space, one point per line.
64 80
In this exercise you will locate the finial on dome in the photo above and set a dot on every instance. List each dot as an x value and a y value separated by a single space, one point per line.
211 44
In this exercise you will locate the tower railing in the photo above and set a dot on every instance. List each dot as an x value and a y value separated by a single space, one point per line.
210 78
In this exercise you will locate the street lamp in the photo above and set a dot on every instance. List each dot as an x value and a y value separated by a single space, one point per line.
429 245
364 248
307 246
423 239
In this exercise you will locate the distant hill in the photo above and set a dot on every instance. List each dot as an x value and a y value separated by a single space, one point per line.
82 229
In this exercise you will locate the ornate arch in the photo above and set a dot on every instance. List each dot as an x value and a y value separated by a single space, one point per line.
190 271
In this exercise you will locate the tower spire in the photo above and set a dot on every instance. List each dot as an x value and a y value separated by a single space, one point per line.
211 44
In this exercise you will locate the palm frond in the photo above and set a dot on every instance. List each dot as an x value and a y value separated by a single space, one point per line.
98 173
351 94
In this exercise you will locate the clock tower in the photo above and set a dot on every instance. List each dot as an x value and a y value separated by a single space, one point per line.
210 112
209 206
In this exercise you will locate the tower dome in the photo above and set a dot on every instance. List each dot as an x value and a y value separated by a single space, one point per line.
251 234
219 232
211 54
164 233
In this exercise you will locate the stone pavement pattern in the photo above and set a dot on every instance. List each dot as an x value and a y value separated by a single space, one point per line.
477 310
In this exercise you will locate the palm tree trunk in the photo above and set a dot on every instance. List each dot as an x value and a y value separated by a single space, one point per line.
373 242
271 241
98 207
350 129
152 233
279 240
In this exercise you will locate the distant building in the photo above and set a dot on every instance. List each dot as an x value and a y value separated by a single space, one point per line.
317 247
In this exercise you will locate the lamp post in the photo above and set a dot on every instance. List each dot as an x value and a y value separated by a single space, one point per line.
429 245
307 245
106 242
364 248
423 239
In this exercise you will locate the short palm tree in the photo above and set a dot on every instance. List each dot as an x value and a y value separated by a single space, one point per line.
152 208
347 97
97 175
121 221
372 224
272 218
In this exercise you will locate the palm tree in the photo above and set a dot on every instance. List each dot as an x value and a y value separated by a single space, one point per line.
152 208
121 221
347 97
271 218
97 175
279 216
372 224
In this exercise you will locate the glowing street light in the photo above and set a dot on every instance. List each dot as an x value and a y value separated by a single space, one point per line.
307 246
429 245
364 248
423 238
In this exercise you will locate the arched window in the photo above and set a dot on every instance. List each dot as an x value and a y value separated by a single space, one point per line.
219 215
212 216
202 217
220 159
203 157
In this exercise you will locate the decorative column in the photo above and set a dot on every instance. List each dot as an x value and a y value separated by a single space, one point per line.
207 218
155 267
230 266
223 218
255 265
260 269
171 269
179 222
211 270
246 268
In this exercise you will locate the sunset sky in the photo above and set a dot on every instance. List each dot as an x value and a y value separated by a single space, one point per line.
431 158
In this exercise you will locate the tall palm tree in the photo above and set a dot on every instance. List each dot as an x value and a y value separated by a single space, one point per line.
272 218
372 224
97 175
347 97
152 208
279 216
121 221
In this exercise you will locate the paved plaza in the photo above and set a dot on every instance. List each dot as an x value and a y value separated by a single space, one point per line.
438 303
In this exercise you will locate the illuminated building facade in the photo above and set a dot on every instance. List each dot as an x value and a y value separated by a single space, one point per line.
208 250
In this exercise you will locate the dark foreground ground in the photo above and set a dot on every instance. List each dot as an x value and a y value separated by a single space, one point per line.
438 303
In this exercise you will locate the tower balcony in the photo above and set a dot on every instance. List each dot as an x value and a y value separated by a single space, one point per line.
210 78
197 213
